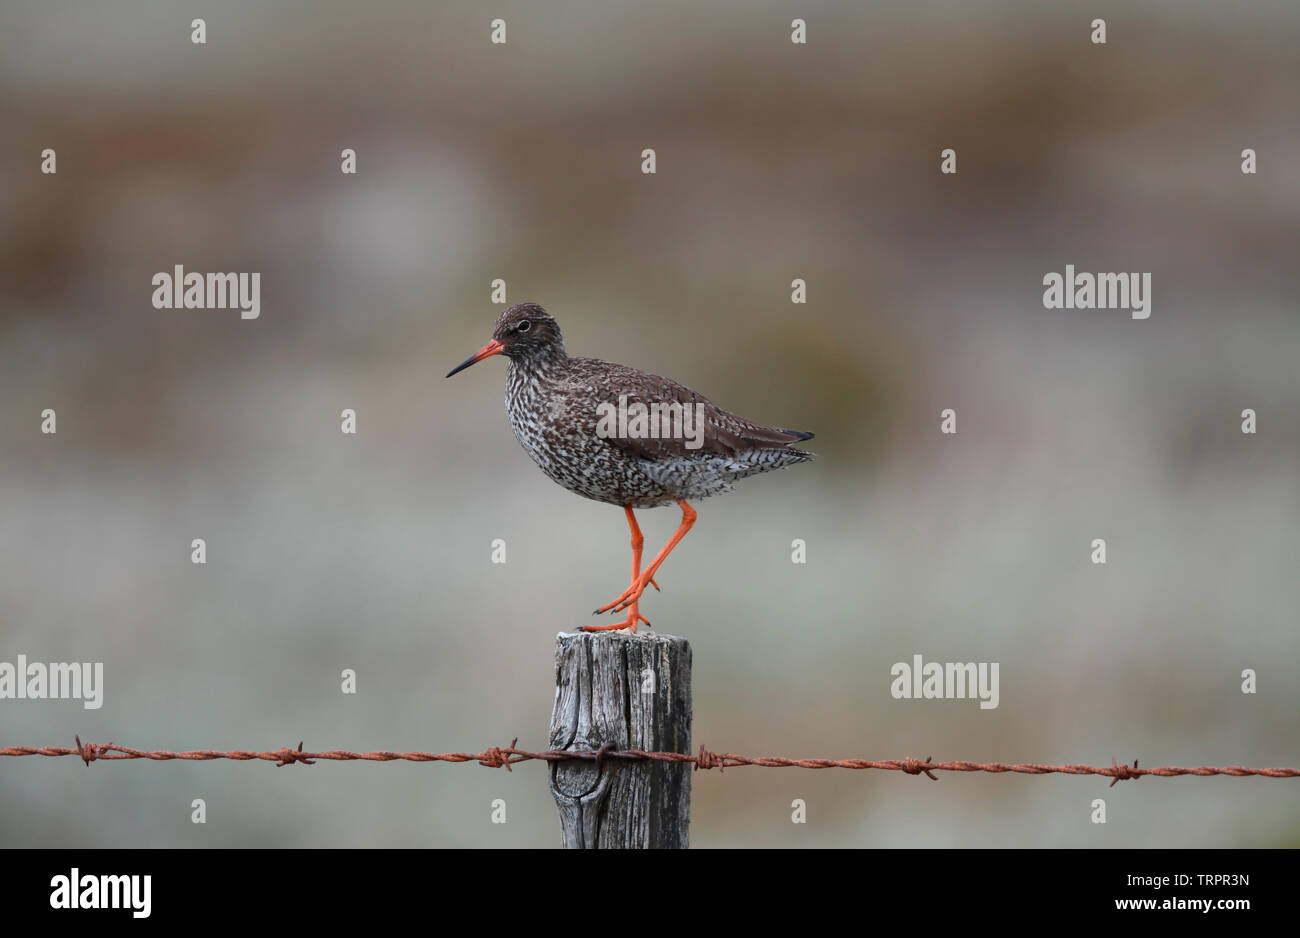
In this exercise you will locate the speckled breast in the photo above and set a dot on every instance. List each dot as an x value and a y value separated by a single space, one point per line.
558 432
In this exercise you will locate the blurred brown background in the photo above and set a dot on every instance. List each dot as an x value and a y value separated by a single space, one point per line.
775 161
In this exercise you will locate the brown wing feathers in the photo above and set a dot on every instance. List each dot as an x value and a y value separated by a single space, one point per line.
725 433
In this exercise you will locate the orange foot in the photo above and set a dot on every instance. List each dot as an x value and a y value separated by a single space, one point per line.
633 617
629 597
626 601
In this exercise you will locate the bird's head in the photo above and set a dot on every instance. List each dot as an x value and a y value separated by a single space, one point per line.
523 331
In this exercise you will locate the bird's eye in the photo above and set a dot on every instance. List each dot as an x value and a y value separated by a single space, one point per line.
524 325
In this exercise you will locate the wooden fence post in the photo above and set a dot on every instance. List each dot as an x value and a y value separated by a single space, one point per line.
633 692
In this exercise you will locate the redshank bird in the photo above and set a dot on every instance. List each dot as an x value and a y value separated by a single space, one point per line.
618 435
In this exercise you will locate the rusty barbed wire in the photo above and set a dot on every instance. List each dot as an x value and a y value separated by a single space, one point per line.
498 756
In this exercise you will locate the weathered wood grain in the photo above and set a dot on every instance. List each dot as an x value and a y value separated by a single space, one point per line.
633 692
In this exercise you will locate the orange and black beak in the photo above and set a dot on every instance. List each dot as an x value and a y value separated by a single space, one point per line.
492 348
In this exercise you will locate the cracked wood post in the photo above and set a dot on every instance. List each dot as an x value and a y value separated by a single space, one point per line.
633 692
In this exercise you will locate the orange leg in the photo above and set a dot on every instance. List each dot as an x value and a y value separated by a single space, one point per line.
629 597
638 541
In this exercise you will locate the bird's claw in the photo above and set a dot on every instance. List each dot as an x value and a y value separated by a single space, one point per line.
628 598
628 623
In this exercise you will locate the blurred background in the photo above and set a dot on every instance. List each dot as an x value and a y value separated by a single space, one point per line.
775 161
